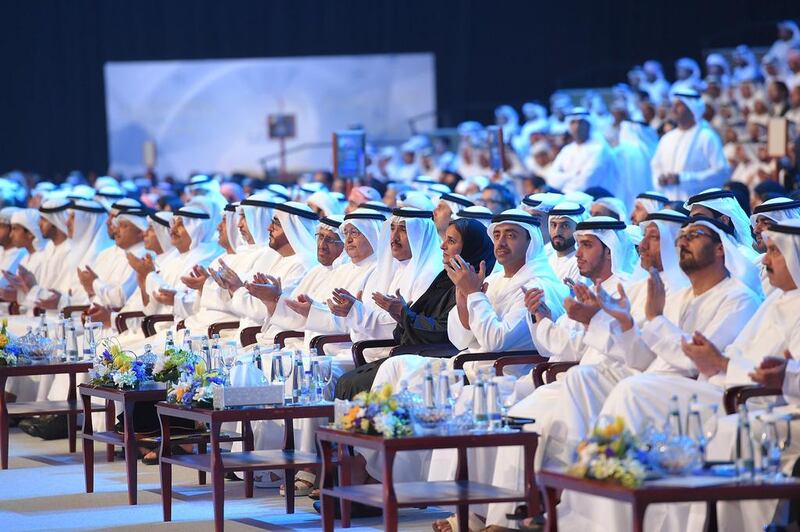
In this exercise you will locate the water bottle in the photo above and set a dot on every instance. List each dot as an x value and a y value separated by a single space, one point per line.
492 407
694 424
89 342
428 396
215 354
228 360
479 411
169 343
206 351
61 332
674 427
72 343
443 396
297 380
769 444
43 326
257 356
745 461
316 382
186 344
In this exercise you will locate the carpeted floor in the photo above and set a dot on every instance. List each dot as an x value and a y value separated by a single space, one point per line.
44 490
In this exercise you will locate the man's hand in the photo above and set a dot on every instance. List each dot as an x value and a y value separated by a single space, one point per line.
619 309
464 275
165 296
583 307
705 355
50 302
142 266
301 305
8 293
391 304
230 278
196 278
100 313
86 278
265 288
534 302
772 371
656 296
342 301
27 277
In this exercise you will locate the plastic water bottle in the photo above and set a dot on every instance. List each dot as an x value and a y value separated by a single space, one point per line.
61 332
169 343
443 396
316 382
745 459
43 326
694 424
186 344
493 411
72 343
206 351
215 354
674 427
480 416
769 445
297 380
89 342
428 396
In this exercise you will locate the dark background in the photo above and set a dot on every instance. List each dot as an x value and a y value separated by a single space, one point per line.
487 52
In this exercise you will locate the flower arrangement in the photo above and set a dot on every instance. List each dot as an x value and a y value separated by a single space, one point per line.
378 413
9 353
195 386
610 453
168 368
115 367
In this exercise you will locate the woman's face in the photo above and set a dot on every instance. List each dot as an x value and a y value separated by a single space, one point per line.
452 244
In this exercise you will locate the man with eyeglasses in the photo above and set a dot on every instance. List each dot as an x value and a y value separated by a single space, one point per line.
764 216
710 312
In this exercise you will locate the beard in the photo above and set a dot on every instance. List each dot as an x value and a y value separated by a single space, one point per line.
692 262
560 244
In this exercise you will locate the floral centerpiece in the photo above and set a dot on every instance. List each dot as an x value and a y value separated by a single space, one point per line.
195 386
610 453
115 367
378 413
168 368
9 353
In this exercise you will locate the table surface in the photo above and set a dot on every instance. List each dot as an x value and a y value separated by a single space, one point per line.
50 368
116 394
728 488
246 414
434 441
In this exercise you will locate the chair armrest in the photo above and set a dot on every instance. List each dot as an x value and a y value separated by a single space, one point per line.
516 360
215 328
13 308
426 350
248 335
74 308
737 395
319 342
360 347
38 311
149 323
545 372
121 321
282 336
462 358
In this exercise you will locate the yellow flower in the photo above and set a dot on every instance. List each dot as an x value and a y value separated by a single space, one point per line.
179 393
3 341
365 424
386 392
200 368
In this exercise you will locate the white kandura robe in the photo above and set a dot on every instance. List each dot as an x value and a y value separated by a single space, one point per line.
9 260
696 155
580 166
566 266
642 399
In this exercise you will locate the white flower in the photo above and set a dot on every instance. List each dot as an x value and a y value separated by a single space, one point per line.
160 363
125 378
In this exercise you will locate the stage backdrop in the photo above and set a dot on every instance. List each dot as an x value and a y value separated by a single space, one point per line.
211 115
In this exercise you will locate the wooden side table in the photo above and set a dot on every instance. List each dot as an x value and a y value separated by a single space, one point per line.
218 464
729 489
391 496
70 407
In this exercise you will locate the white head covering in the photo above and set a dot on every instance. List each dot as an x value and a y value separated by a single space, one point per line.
299 224
739 266
5 214
639 134
786 236
278 190
537 271
377 206
211 206
325 201
456 202
197 222
669 224
160 222
542 202
368 223
81 192
137 217
476 212
724 202
581 198
258 211
652 201
89 235
29 219
777 210
414 199
55 211
570 210
231 215
426 256
691 99
125 204
611 232
614 205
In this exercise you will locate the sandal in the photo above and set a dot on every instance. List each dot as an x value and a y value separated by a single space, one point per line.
451 523
303 484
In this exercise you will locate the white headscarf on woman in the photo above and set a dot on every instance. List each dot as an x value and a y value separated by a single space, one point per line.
299 224
612 233
29 219
669 225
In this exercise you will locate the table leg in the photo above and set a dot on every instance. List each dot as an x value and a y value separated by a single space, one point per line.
389 496
639 509
531 491
249 445
288 474
3 424
72 417
131 449
88 443
551 500
345 479
111 414
202 448
326 482
462 474
166 468
711 516
217 479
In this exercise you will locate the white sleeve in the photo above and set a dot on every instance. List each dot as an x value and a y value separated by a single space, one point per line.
717 171
791 382
493 332
323 320
605 334
562 339
286 319
458 335
114 295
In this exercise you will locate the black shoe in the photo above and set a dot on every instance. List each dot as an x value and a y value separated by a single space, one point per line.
233 476
356 510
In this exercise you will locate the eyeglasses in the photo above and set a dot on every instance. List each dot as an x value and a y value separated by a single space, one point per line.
694 233
353 233
329 240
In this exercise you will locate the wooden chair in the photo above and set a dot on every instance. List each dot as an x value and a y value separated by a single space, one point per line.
318 343
737 395
282 336
462 358
216 328
149 323
516 360
545 372
70 310
121 320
